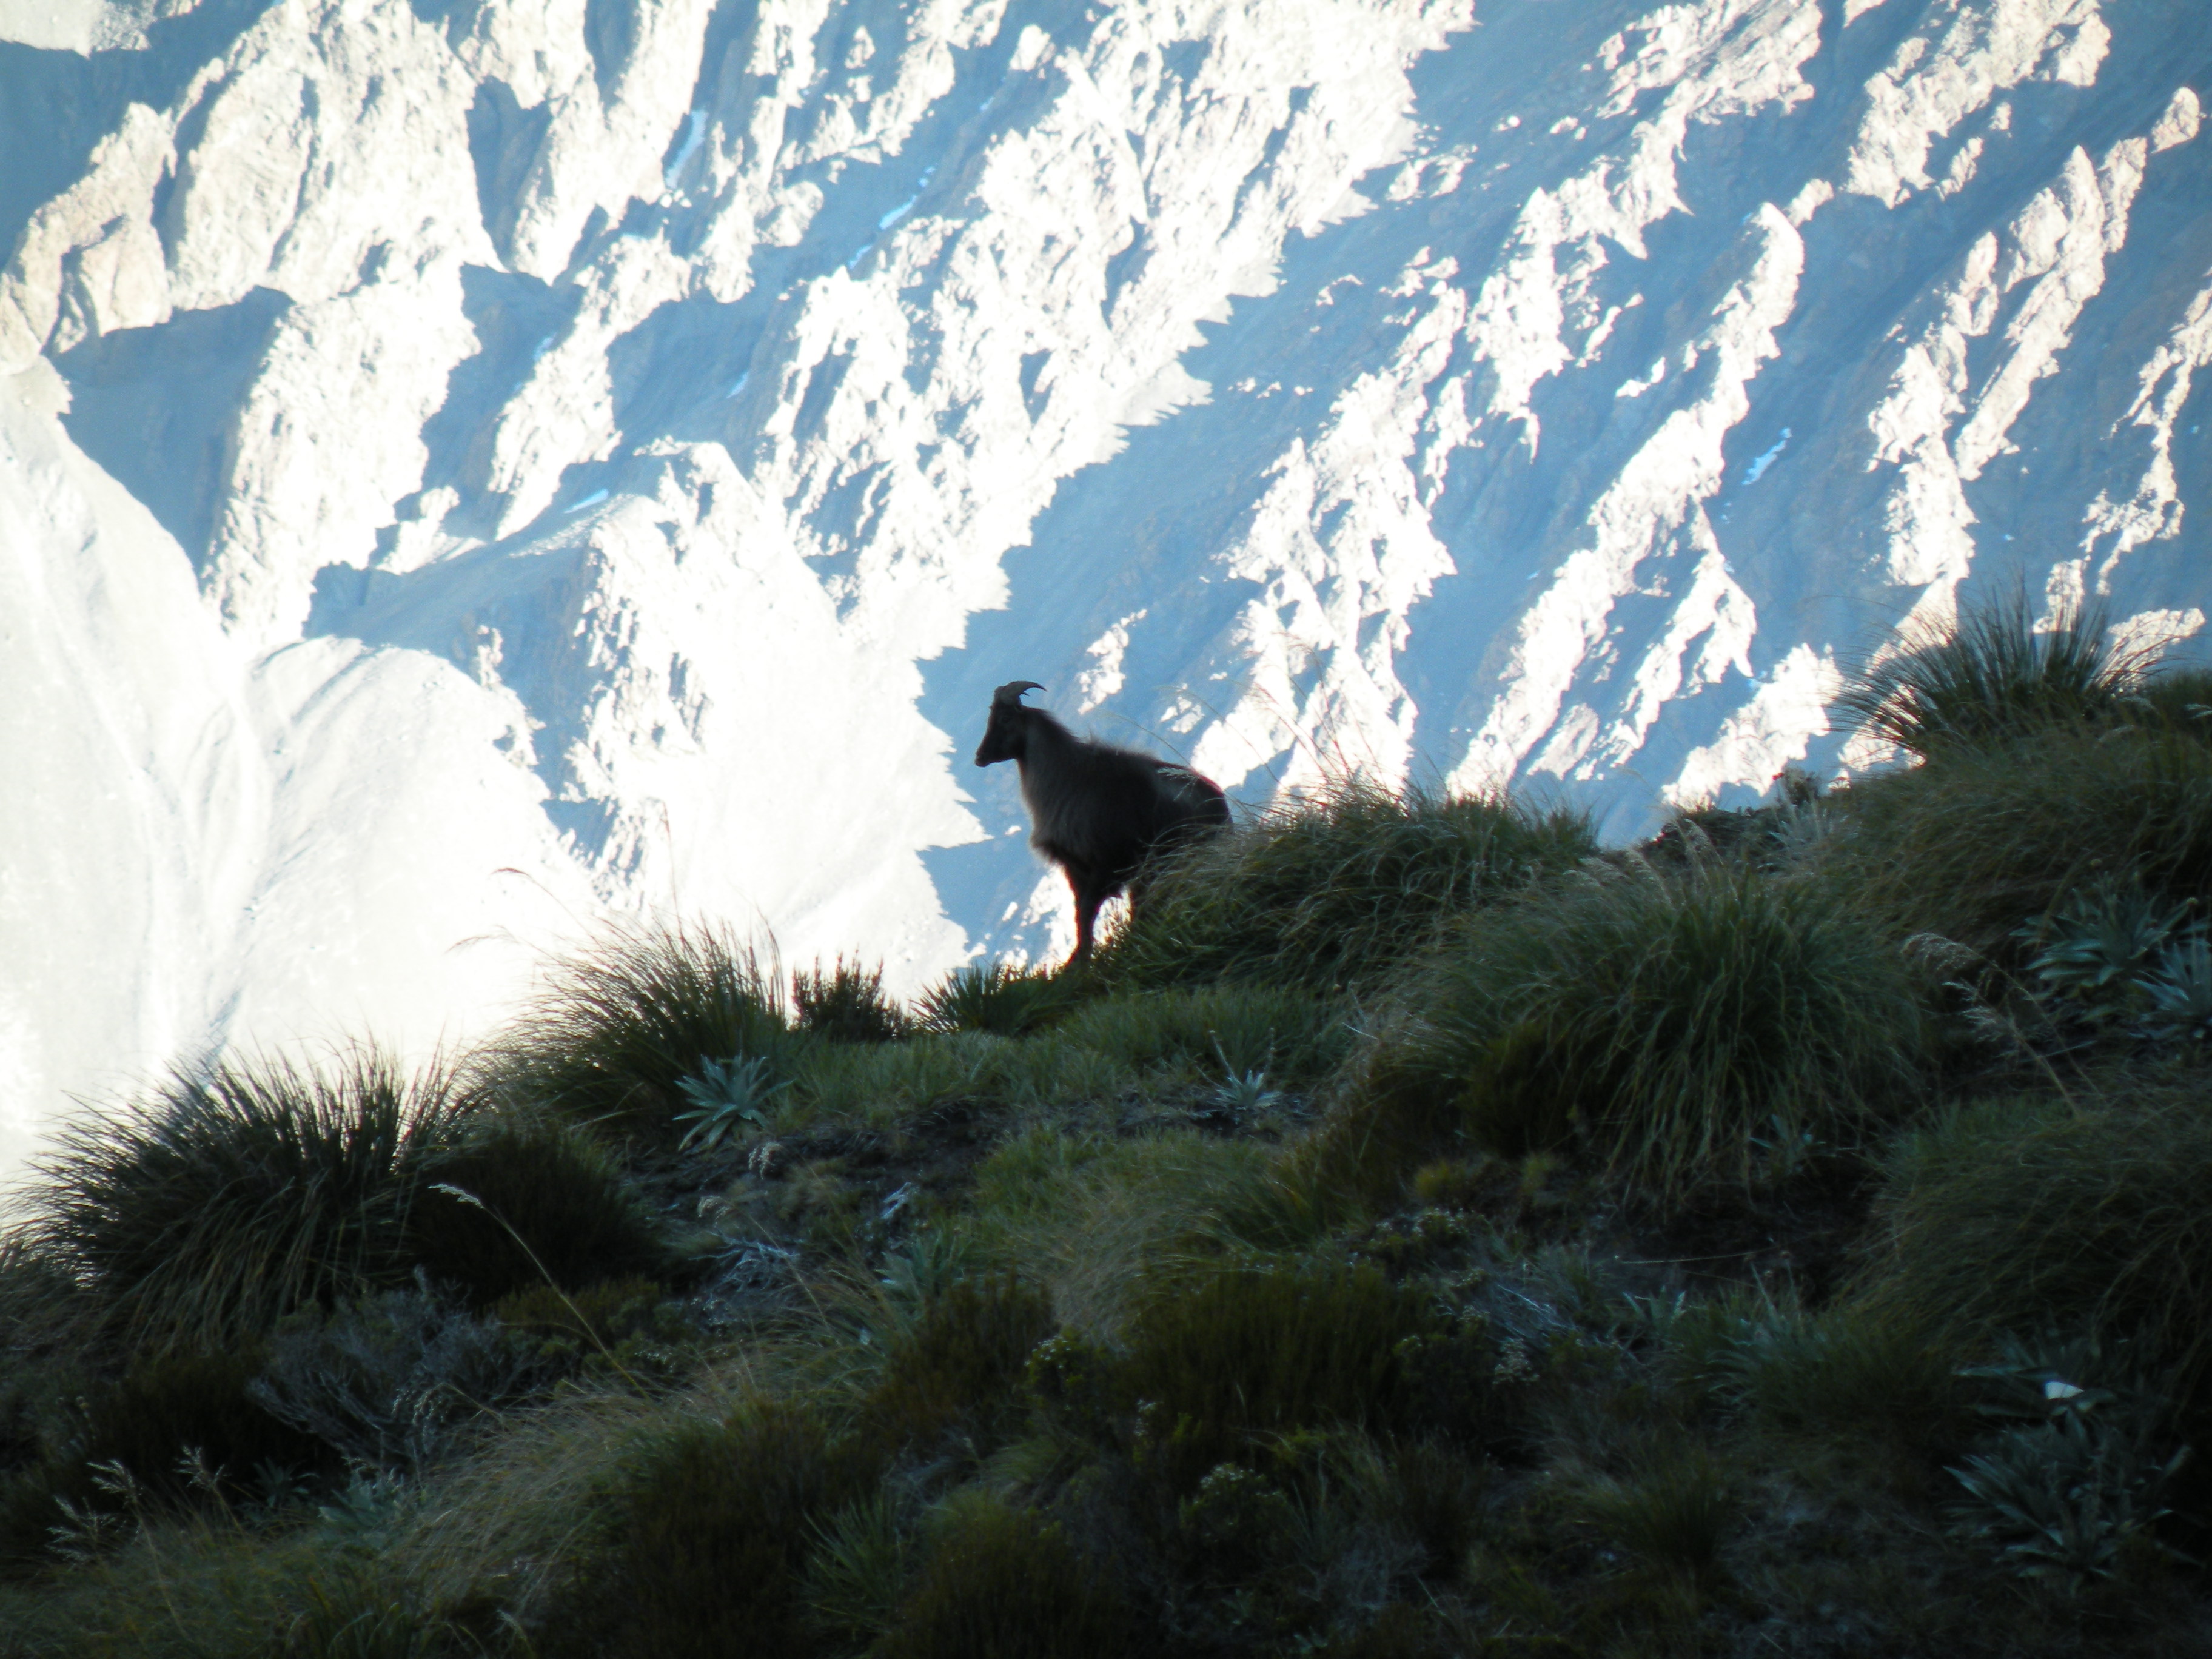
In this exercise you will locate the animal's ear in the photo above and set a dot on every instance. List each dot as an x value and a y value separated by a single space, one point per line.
1009 695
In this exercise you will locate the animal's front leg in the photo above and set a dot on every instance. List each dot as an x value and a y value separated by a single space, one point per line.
1088 898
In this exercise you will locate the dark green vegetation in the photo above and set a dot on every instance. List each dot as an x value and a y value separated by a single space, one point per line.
1995 678
1715 1025
1336 891
1420 1232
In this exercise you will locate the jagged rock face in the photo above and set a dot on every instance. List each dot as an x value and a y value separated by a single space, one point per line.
471 466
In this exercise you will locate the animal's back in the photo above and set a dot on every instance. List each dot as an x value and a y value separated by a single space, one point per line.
1164 805
1197 799
1065 798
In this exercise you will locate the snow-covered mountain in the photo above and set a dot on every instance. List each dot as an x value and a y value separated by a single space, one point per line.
469 467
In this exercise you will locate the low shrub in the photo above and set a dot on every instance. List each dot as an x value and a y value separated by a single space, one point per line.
630 1330
1002 1584
1324 1523
180 1426
955 1375
1437 1498
1973 847
2071 1487
1994 677
20 1439
1244 1353
2032 1215
42 1333
225 1201
1677 1032
1306 1542
1333 891
518 1202
395 1382
705 1543
1783 832
564 1327
620 1027
846 1004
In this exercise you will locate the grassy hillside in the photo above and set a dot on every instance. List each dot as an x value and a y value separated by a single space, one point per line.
1420 1232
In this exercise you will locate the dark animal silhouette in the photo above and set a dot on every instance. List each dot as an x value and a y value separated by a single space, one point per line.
1096 810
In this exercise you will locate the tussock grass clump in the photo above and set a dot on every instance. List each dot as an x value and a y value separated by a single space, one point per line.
357 1614
542 1202
1246 1352
706 1542
1334 891
225 1201
845 1003
1992 678
619 1028
2028 1215
1676 1032
1000 998
857 1574
1008 1585
1846 1372
190 1586
956 1372
1090 1214
1974 845
883 1081
1108 1048
1673 1514
1031 1177
2177 697
1236 1028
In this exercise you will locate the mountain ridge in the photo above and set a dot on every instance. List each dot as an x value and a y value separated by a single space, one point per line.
527 443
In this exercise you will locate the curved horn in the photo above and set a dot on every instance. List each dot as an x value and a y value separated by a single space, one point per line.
1011 693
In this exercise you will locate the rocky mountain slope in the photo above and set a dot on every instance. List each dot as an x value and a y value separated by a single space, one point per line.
469 468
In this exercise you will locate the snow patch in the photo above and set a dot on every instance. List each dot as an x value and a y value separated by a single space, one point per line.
1757 469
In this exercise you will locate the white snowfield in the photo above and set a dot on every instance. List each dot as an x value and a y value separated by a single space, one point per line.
470 469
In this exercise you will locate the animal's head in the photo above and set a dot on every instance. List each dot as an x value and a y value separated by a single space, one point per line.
1005 738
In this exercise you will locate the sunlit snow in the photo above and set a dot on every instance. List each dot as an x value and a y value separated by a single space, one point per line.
397 584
